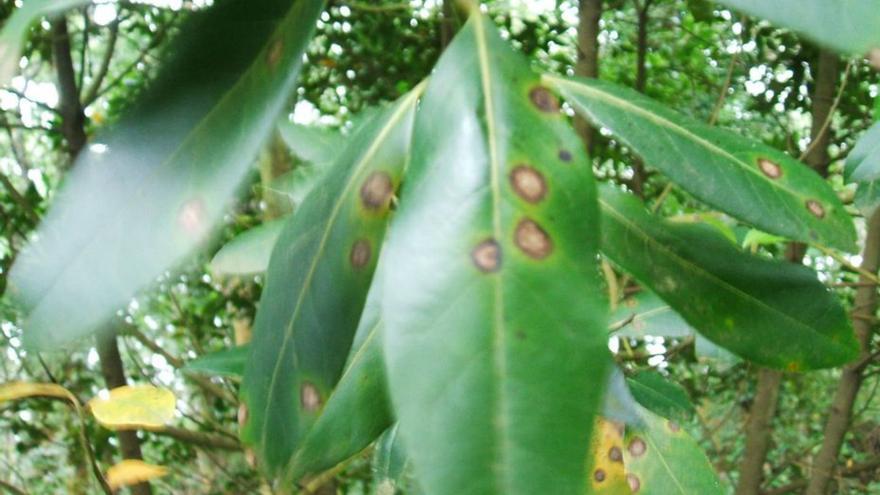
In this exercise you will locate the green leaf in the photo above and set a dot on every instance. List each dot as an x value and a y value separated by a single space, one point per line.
849 26
310 143
390 463
863 162
248 252
228 362
867 197
134 208
751 306
755 239
746 179
15 29
493 310
357 410
659 395
317 283
292 188
662 459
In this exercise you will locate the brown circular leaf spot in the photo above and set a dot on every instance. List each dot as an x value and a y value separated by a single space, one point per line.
242 415
674 427
633 481
599 475
532 239
615 454
377 190
637 447
815 208
274 54
360 253
565 155
543 99
528 183
769 168
309 397
487 256
192 217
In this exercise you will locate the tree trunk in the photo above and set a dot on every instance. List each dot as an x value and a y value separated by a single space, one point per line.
590 12
827 72
640 176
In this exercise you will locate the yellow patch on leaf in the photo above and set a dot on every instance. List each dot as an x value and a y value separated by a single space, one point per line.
23 390
132 472
607 475
134 407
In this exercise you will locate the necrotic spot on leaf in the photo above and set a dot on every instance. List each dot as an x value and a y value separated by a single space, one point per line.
487 256
637 447
274 54
360 253
377 190
532 239
543 99
599 475
565 155
309 397
250 458
615 454
528 183
192 217
674 427
770 169
816 208
242 415
633 482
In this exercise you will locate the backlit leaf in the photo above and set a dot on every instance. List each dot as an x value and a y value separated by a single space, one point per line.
131 472
134 407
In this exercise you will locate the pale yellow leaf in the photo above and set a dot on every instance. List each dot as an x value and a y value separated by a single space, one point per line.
134 407
22 390
132 472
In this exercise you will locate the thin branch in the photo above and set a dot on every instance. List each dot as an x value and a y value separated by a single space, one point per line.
827 123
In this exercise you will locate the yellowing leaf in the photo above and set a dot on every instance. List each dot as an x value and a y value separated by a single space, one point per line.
608 475
133 407
22 390
132 472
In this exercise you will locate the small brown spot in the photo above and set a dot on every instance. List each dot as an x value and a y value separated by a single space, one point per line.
565 155
771 169
543 99
637 447
274 54
192 217
487 256
360 253
309 397
674 427
633 481
874 58
528 183
532 239
816 208
793 367
377 190
250 458
520 335
242 415
615 454
599 475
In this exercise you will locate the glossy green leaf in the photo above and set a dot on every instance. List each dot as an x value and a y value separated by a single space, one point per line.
317 284
849 26
662 459
292 188
867 197
751 306
357 410
491 294
659 395
746 179
15 29
135 207
248 252
863 162
228 362
390 463
311 143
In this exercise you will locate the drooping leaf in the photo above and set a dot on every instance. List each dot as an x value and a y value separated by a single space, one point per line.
849 26
390 463
491 294
131 472
746 179
357 410
607 473
15 29
662 459
319 274
863 162
249 252
228 362
751 306
659 395
135 207
22 390
134 407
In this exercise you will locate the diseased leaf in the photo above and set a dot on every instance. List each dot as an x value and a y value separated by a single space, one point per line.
318 278
310 143
491 293
607 473
135 207
390 463
134 407
751 306
22 390
228 362
848 26
746 179
662 459
659 395
131 472
248 252
863 162
291 188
